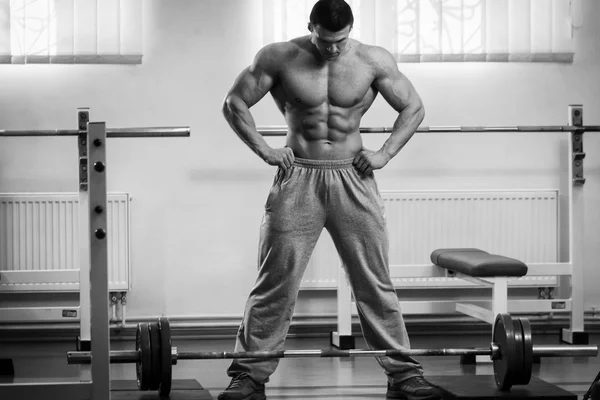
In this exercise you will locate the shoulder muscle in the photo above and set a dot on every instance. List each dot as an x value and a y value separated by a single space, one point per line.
261 75
381 60
388 80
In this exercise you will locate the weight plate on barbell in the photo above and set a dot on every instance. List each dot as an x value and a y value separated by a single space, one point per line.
144 365
527 350
504 336
518 372
155 347
138 364
165 348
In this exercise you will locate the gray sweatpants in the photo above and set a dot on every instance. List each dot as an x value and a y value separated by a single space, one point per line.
310 196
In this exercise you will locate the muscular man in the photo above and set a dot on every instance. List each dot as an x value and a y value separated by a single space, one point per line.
323 83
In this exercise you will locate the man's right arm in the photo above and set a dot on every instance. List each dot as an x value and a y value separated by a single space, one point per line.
249 87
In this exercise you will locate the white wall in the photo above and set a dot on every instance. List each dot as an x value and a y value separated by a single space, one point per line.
198 201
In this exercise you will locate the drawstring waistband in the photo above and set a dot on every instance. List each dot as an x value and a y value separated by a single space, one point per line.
324 164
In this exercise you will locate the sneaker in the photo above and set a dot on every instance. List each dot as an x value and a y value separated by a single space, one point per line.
415 388
242 387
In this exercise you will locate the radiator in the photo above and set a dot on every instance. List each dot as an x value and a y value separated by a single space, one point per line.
39 242
518 224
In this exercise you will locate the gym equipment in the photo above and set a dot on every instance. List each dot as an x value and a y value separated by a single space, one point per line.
512 351
111 133
283 130
91 142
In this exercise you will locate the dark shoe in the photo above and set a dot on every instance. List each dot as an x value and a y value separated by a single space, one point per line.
415 388
242 387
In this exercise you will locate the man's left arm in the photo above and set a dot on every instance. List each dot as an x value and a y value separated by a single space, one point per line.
399 92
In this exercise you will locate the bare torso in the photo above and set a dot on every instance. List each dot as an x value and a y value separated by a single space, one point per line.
323 102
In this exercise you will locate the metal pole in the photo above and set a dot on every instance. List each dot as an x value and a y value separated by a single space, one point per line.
132 356
574 287
100 333
183 131
116 357
283 130
566 351
84 342
329 353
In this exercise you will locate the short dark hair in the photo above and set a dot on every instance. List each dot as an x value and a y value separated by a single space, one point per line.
333 15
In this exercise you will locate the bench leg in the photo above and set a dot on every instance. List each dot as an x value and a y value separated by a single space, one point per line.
499 299
499 296
343 338
499 305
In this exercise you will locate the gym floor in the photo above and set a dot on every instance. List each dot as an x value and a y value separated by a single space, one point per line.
304 378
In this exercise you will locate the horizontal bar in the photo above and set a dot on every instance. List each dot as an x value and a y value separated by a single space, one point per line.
477 312
566 351
329 353
110 132
116 357
283 130
479 281
132 356
148 132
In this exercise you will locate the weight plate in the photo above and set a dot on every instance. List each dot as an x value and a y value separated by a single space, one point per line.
155 356
518 372
504 336
165 348
144 365
527 350
138 365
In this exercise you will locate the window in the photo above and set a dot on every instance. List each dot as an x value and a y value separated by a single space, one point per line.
445 30
71 31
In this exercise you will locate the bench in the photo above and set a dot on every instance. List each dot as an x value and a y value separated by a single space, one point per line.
473 265
482 268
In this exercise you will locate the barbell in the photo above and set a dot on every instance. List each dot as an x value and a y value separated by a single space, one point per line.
177 131
283 130
512 351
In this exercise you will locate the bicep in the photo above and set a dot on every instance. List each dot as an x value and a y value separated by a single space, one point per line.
256 80
394 86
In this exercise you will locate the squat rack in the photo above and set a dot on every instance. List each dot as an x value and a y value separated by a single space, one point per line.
93 274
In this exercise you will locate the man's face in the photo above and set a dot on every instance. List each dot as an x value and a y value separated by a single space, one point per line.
330 44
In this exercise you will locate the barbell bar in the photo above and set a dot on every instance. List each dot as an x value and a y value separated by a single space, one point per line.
283 130
178 131
493 352
132 356
511 350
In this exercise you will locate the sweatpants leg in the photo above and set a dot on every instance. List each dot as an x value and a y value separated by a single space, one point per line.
293 221
356 222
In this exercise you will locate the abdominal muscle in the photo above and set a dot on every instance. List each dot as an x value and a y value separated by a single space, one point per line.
329 135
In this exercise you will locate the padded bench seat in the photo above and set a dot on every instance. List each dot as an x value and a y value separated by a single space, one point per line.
478 263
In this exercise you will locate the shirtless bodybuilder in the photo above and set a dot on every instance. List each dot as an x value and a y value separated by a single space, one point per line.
323 83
